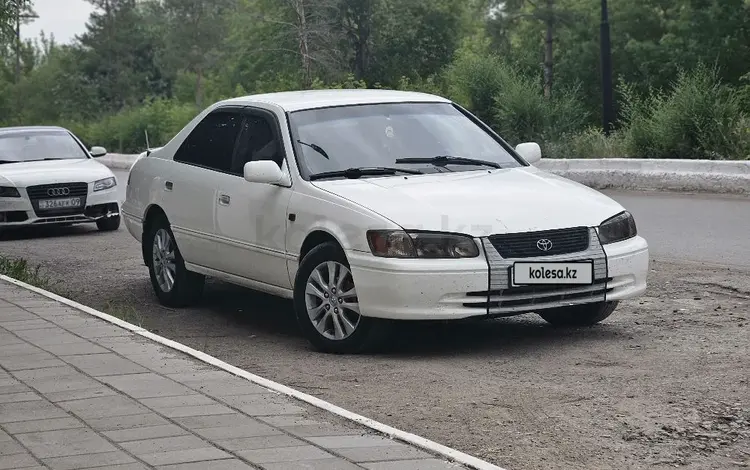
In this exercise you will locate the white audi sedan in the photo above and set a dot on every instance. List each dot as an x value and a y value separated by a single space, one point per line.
47 176
365 206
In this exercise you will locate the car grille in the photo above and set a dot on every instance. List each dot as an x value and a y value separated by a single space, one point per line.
524 245
502 298
532 298
53 191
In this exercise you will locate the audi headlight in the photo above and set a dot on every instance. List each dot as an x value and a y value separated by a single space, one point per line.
618 228
401 244
106 183
9 191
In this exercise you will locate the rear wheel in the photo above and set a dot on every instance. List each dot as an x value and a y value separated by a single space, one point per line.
173 284
327 306
108 224
579 315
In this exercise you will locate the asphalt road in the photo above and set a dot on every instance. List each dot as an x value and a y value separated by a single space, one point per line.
658 385
680 227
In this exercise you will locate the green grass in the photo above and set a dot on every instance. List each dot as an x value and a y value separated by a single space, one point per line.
124 312
19 268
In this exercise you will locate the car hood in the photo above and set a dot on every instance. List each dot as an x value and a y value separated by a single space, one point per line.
52 171
479 203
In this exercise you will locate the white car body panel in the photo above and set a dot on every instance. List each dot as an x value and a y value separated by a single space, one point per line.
253 242
462 202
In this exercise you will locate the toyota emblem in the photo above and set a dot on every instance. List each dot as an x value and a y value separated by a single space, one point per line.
58 192
544 244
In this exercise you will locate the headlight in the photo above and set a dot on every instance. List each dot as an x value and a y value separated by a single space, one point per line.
9 191
400 244
106 183
618 228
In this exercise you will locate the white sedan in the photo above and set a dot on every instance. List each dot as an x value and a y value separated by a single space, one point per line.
47 176
365 206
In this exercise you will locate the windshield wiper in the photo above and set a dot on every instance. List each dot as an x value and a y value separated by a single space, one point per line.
442 160
44 159
9 161
315 147
354 173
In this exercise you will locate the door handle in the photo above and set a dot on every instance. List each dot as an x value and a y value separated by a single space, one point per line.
168 185
224 199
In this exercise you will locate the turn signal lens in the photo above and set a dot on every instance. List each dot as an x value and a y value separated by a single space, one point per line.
390 244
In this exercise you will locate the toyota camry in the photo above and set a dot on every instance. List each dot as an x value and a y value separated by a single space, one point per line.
367 206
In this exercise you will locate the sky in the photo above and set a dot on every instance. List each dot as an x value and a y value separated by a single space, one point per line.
63 18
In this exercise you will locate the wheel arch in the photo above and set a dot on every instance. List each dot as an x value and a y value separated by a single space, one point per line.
315 238
153 212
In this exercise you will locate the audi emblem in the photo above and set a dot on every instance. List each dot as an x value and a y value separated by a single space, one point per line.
58 192
544 244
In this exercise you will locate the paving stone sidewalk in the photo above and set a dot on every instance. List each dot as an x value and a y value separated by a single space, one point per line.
77 392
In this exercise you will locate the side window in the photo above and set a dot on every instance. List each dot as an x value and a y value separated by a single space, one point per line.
211 143
257 141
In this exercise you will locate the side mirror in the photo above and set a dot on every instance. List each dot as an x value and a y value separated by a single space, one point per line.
98 152
530 151
264 171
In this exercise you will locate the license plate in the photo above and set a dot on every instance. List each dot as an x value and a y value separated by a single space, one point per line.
528 273
66 203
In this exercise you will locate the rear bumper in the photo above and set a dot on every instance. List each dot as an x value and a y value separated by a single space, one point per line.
462 288
134 225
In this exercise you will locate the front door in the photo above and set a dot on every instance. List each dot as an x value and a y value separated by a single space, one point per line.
251 218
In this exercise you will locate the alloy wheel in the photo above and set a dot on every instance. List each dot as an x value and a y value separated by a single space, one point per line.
331 301
165 265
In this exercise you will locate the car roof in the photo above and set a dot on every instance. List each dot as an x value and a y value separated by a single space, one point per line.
311 99
13 130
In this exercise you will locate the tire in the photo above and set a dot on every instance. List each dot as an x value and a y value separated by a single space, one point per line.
579 315
108 224
367 332
186 287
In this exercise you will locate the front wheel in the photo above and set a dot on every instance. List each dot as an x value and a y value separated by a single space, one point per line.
327 306
173 284
108 224
579 315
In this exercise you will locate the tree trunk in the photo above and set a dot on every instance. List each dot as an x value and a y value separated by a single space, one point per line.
199 88
304 44
548 48
362 41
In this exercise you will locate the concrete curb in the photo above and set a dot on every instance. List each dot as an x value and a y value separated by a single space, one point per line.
706 176
397 434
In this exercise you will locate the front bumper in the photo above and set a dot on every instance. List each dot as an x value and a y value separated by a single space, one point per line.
423 289
20 212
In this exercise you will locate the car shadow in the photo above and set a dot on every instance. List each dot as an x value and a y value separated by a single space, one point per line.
266 315
51 231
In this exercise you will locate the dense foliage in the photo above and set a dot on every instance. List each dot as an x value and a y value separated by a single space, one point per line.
529 68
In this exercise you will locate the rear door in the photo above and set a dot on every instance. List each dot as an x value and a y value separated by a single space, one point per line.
192 192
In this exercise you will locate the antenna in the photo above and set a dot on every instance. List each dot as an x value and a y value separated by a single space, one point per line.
148 146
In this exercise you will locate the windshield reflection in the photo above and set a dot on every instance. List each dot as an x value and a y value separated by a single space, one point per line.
378 135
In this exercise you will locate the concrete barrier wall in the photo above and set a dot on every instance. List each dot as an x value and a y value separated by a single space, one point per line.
709 176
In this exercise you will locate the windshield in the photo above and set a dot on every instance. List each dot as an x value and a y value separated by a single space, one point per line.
27 146
378 135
